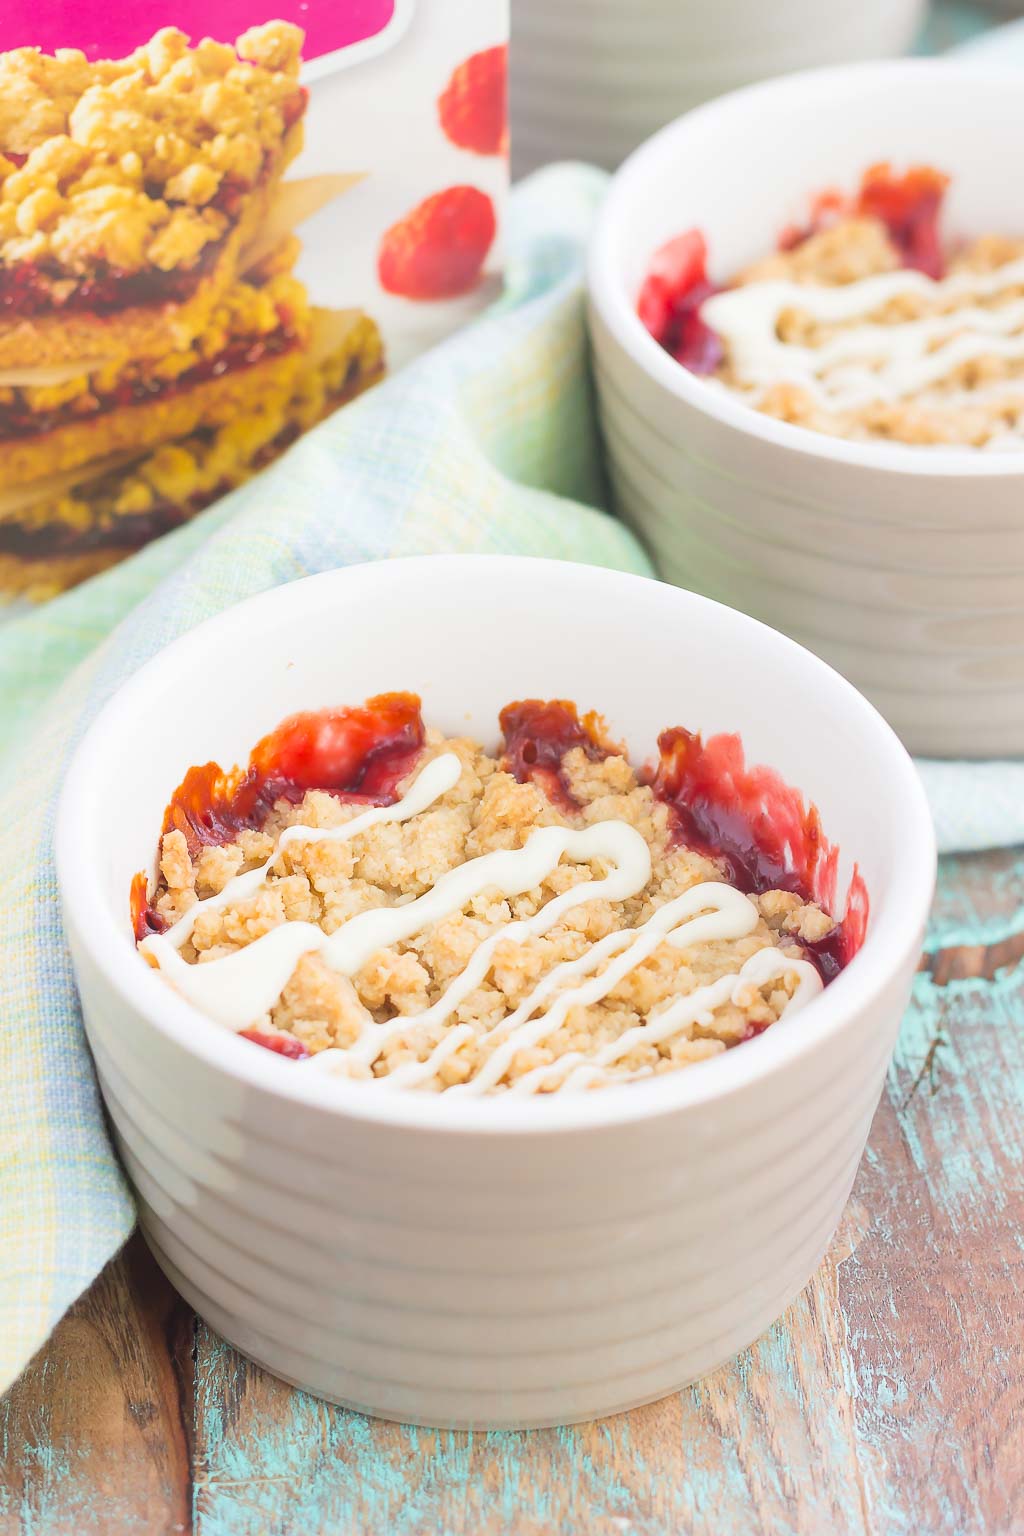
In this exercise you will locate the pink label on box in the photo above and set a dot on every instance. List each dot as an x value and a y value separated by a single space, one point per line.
105 30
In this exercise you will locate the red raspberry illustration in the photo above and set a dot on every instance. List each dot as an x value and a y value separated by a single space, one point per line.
473 105
438 250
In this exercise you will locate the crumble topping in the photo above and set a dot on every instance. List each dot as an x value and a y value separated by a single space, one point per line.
395 997
974 403
131 163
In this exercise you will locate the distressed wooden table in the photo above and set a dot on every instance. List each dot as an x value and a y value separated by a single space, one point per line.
889 1398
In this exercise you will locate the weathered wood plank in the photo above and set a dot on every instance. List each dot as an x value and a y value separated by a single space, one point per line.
95 1439
770 1439
932 1296
979 899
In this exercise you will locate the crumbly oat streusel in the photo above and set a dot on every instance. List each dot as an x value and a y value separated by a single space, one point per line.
327 883
121 162
975 402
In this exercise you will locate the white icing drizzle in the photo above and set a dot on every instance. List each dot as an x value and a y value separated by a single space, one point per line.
732 915
574 1070
867 362
239 988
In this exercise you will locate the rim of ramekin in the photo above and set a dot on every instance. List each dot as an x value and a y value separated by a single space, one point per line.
888 950
616 306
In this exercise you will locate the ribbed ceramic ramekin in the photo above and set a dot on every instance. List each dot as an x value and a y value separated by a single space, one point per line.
903 567
489 1262
590 80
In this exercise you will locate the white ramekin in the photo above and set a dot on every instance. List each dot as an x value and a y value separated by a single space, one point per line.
903 567
590 80
489 1262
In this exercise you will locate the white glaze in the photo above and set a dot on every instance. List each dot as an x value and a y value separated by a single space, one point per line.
708 911
867 362
574 1070
239 988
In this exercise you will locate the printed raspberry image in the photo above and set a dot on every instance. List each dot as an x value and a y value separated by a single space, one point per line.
473 107
438 250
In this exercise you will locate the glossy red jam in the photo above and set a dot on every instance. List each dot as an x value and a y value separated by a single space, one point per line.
33 289
360 754
283 1045
760 828
909 206
145 919
537 737
746 817
357 754
675 287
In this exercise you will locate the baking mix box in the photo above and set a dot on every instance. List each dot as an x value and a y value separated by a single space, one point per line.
220 222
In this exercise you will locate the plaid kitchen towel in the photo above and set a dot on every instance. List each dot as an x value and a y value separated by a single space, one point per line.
487 444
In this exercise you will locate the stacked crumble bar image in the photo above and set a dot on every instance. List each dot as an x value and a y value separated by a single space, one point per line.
156 349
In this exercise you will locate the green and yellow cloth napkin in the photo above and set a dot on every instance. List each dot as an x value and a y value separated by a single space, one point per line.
487 444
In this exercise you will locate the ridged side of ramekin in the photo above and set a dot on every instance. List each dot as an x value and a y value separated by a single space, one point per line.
590 81
465 1298
923 613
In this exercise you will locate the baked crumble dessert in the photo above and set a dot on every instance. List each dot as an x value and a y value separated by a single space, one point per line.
376 900
130 187
863 323
60 531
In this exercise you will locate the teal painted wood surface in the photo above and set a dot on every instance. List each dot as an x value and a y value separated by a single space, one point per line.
888 1401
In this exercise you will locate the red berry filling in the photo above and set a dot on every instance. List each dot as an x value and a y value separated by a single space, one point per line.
537 737
675 287
358 754
746 817
283 1045
909 206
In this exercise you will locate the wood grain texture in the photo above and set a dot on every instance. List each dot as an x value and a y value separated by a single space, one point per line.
889 1401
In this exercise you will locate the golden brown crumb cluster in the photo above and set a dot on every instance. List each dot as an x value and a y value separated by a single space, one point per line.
327 883
975 403
126 157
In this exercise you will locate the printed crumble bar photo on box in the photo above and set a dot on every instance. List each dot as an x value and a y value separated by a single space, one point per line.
210 243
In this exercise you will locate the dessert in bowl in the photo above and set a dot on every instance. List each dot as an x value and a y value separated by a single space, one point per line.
811 394
425 1230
